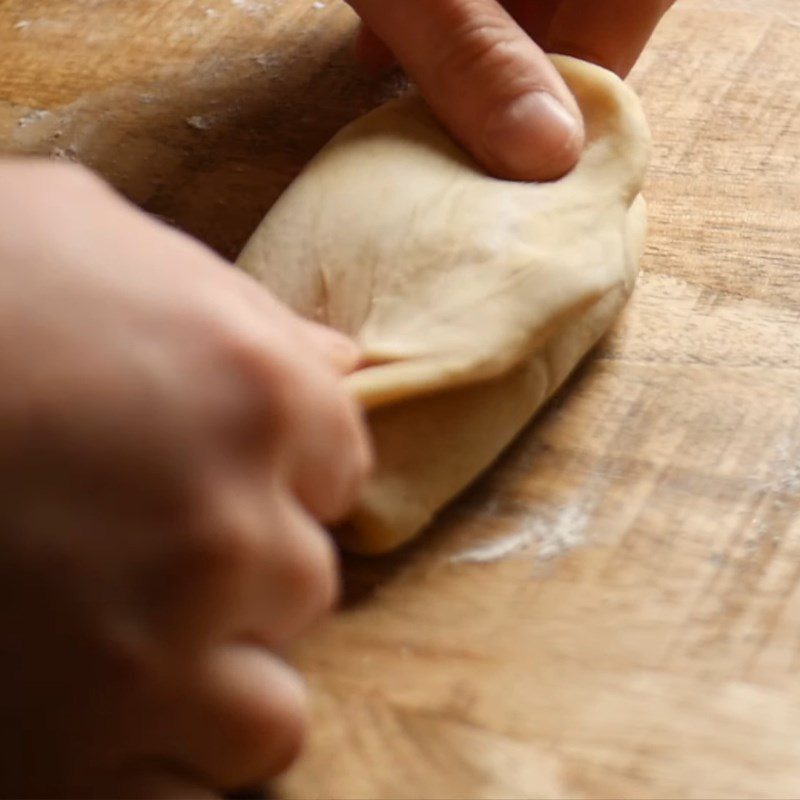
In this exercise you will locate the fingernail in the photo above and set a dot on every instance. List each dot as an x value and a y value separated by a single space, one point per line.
534 138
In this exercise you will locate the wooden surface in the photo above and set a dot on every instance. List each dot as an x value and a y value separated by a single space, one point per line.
614 611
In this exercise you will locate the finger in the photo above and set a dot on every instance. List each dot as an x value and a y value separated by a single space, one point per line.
295 409
331 455
260 569
372 52
487 81
257 714
335 349
292 584
612 33
240 719
338 350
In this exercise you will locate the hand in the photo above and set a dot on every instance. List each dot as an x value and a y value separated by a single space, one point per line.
170 439
481 65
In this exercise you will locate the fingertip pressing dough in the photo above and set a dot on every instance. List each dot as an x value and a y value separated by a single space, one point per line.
473 298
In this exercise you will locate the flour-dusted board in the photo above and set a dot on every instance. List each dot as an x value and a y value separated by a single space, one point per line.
614 611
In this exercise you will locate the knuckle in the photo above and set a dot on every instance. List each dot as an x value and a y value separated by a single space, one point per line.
293 716
276 727
244 359
265 379
335 457
305 393
248 397
480 42
310 568
222 540
292 740
257 715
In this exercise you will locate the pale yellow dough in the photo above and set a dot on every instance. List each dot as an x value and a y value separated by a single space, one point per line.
473 298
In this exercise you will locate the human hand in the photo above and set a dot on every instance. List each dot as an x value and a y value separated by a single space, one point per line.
481 65
171 438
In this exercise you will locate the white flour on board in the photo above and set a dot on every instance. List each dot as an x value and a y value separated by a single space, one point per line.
496 550
564 533
253 6
200 123
786 467
34 116
783 473
553 534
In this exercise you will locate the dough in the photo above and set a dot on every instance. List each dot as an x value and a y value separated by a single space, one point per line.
473 298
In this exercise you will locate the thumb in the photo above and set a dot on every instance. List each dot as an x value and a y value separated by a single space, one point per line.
487 81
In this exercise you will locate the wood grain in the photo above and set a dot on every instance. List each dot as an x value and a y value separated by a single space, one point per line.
614 610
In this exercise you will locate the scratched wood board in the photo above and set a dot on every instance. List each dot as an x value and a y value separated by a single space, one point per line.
614 609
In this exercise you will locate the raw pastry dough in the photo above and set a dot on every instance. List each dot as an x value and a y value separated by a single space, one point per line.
473 298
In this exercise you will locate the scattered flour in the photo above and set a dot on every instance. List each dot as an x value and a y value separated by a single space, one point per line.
200 123
784 468
34 116
249 6
562 534
787 466
268 61
496 550
64 154
553 535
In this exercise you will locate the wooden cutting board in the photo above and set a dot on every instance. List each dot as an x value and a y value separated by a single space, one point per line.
614 610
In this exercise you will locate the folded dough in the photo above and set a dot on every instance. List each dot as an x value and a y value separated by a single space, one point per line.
473 298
